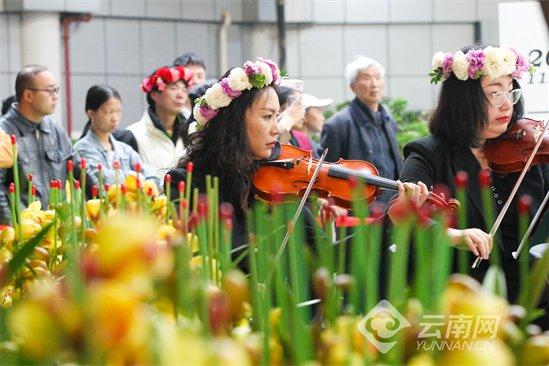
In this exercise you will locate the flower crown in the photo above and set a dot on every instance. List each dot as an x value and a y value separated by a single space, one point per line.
254 74
492 62
164 76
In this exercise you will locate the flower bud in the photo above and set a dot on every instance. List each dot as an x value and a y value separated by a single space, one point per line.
137 167
484 178
77 184
30 177
83 164
12 188
524 204
226 211
116 164
461 179
190 167
168 179
181 186
13 139
95 191
70 166
99 166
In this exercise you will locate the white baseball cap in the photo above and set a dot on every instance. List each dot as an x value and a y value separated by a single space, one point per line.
296 84
308 100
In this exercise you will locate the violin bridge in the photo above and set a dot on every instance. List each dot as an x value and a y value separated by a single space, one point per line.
310 165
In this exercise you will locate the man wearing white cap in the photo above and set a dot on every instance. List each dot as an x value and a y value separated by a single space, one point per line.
314 117
364 130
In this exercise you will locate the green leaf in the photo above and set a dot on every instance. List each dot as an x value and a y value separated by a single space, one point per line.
18 259
494 282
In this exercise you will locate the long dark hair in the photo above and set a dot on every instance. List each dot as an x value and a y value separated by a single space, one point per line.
221 148
97 95
461 111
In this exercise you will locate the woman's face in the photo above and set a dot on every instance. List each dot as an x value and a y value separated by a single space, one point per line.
171 99
107 117
261 124
499 106
314 119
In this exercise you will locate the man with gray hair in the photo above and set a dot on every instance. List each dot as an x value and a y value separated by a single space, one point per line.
43 145
364 130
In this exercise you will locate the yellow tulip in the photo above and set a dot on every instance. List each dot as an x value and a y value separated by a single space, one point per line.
93 207
117 251
166 231
34 328
160 205
536 351
131 182
29 228
7 236
150 185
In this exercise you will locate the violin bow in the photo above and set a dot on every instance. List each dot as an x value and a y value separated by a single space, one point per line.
514 191
292 223
531 227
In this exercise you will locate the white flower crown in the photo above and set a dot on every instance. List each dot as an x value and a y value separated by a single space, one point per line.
492 62
254 74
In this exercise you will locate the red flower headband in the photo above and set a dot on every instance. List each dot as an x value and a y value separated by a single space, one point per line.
164 76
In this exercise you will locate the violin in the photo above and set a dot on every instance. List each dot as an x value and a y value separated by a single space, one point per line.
509 152
290 174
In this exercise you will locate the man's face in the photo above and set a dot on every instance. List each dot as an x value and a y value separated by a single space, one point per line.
44 94
368 86
199 74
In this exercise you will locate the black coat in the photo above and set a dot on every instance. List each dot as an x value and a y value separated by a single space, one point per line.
345 135
434 161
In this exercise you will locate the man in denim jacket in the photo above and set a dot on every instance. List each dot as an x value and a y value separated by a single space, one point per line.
43 145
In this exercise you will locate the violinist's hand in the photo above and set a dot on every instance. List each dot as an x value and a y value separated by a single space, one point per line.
416 193
407 193
475 240
329 211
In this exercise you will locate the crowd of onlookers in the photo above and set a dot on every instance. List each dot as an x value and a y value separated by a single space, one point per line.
363 130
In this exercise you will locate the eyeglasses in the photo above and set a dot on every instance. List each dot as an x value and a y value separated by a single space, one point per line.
499 98
51 92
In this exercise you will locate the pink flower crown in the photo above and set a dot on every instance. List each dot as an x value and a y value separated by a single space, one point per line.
164 76
254 74
492 62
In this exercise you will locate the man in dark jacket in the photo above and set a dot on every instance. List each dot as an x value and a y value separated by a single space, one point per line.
43 145
364 130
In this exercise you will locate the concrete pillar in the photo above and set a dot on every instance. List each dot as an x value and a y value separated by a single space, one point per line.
41 44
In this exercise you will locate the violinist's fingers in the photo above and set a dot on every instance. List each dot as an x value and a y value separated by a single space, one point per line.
471 245
412 192
483 242
424 192
338 211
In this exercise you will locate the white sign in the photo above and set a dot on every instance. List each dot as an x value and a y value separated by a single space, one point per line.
522 25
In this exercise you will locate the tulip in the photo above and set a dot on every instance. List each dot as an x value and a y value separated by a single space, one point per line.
7 237
93 208
235 285
37 331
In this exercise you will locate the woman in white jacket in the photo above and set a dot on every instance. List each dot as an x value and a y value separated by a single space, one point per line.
159 136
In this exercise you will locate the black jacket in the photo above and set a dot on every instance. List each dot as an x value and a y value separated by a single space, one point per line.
434 161
345 136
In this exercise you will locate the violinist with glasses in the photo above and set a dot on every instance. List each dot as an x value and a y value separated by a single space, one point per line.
479 101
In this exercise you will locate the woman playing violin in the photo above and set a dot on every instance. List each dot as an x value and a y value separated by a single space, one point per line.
239 131
480 99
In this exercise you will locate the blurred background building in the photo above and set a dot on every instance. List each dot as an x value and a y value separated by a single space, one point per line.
123 40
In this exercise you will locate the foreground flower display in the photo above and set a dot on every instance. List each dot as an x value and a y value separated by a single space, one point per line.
130 277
